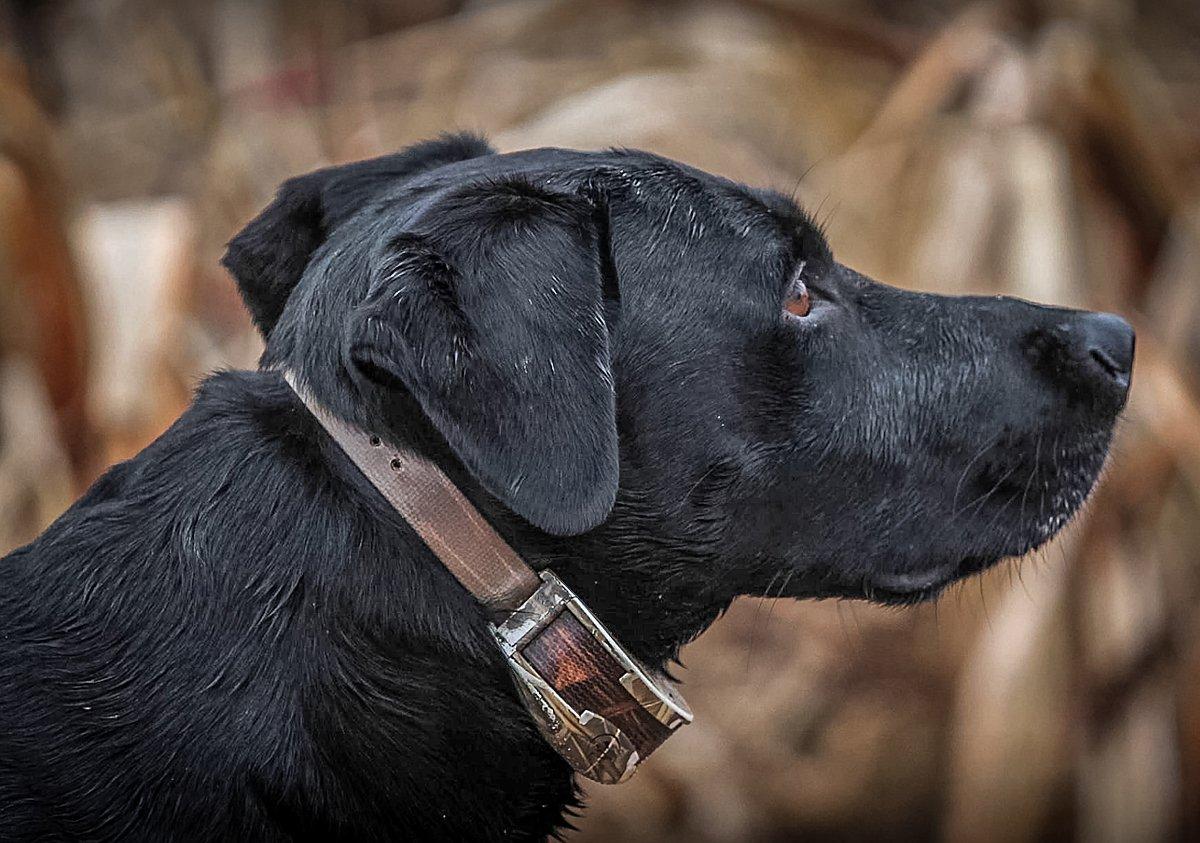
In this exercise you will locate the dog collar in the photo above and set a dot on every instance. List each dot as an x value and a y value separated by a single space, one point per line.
599 707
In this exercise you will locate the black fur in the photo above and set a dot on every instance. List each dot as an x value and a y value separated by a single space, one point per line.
233 637
271 253
499 294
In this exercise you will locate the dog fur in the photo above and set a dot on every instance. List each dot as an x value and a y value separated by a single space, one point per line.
233 637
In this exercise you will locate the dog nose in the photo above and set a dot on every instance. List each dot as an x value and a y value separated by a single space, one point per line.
1108 342
1089 353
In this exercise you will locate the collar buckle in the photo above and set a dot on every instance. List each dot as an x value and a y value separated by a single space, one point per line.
602 709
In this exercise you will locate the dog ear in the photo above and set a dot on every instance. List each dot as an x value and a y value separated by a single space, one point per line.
489 311
268 257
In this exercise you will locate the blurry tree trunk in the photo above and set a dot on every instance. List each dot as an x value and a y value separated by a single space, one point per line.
43 314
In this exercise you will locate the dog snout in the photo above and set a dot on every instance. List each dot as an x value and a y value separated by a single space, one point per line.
1090 354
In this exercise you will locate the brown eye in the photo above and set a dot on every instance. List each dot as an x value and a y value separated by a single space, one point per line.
799 304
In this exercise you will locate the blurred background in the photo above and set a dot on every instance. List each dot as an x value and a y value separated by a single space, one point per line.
1043 148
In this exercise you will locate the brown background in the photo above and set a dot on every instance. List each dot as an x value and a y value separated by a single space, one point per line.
1044 148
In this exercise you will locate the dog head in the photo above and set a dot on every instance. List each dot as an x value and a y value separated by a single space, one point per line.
668 387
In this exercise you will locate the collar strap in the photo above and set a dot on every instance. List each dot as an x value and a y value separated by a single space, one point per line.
596 704
433 506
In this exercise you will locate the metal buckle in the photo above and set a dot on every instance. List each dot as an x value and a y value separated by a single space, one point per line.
594 745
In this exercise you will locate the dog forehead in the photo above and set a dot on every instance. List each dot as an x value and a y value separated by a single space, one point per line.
649 179
675 230
554 163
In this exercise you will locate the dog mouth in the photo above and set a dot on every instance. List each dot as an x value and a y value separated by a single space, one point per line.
1023 504
904 589
928 581
1064 485
927 584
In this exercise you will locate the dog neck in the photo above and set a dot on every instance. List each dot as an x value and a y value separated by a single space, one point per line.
600 708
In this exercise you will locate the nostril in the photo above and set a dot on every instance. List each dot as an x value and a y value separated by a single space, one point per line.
1108 340
1108 364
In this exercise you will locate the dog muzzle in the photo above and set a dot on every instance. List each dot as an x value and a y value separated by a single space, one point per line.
597 705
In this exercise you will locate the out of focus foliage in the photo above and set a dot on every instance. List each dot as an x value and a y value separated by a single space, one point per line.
1043 148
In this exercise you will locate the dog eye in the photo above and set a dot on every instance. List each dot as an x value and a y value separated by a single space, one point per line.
799 302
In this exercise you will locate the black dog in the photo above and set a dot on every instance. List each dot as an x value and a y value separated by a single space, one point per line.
655 381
